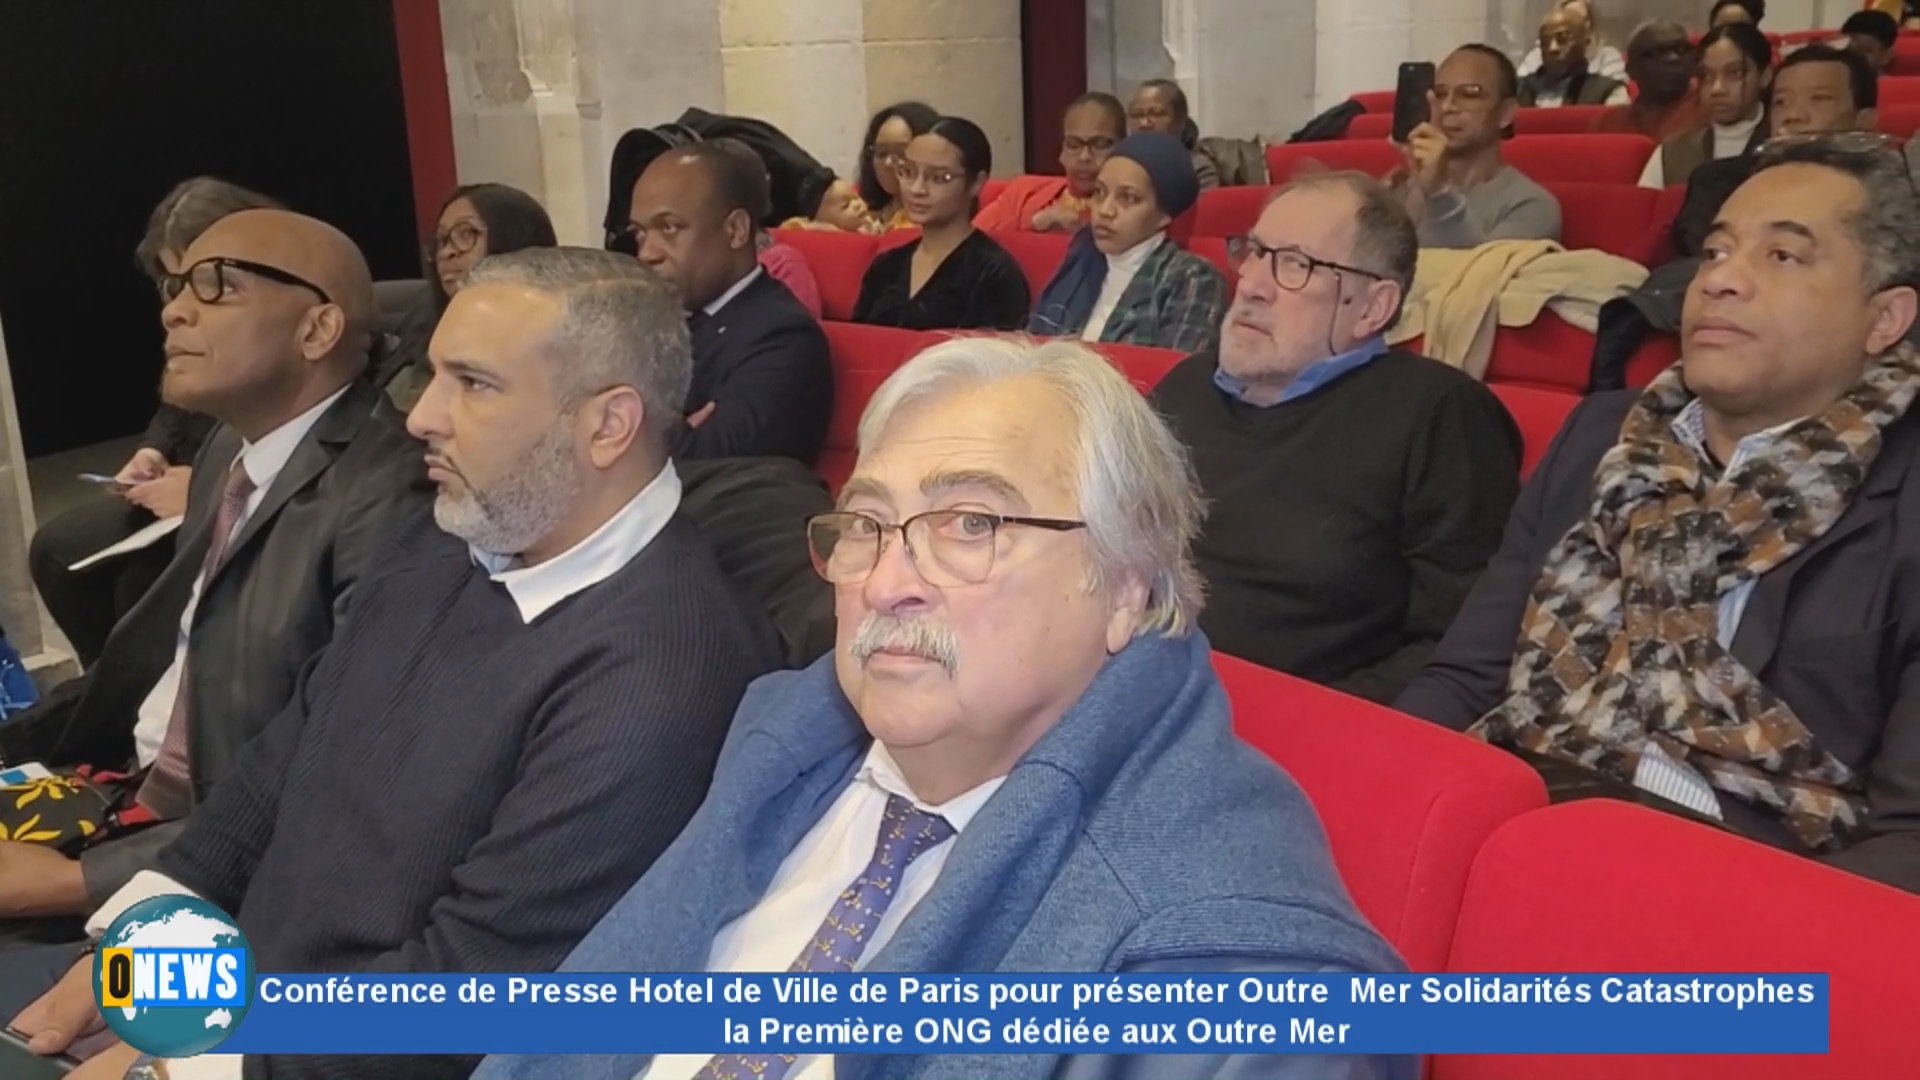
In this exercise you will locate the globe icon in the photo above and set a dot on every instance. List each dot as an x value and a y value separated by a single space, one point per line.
175 922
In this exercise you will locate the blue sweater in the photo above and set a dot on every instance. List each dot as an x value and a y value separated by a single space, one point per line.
1138 834
455 790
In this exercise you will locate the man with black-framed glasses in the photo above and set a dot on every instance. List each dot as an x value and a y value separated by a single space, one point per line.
1357 491
268 319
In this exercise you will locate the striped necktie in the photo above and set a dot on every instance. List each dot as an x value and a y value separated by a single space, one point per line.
905 832
167 791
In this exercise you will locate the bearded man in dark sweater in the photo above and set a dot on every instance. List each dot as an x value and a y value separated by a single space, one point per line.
1355 492
526 702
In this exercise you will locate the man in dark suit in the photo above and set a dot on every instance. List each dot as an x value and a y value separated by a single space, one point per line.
762 376
1716 583
267 330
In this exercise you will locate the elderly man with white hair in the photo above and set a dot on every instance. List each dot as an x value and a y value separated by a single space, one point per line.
1020 714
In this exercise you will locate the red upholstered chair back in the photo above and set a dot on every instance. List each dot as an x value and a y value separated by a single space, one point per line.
1539 414
1593 159
1565 120
863 357
1144 366
1899 90
1656 354
1405 804
1376 101
1547 354
1606 886
1229 212
1900 120
1619 219
839 262
1372 156
1039 255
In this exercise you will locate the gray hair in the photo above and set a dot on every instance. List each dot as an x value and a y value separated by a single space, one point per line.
620 324
1137 490
190 209
1385 239
1888 222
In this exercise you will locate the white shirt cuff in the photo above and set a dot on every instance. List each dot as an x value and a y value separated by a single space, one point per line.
145 885
205 1067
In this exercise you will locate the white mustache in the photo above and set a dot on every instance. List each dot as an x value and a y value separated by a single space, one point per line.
920 637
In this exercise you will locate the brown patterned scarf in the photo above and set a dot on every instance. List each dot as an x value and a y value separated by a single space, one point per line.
1618 647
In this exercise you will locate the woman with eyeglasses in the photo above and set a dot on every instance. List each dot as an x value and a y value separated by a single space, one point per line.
888 134
1123 281
954 277
153 482
477 220
1095 123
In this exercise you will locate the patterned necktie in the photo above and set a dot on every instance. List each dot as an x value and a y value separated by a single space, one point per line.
905 832
167 791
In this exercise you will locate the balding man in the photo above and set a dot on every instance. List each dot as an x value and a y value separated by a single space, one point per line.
762 377
1661 61
267 331
527 704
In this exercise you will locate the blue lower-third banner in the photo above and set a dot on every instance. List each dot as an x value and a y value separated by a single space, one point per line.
1045 1014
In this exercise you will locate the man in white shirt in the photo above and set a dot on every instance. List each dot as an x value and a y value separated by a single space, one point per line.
268 324
527 702
1018 757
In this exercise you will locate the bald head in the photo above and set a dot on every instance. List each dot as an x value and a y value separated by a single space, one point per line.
275 317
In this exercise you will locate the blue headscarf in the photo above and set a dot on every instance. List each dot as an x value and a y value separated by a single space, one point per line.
1067 302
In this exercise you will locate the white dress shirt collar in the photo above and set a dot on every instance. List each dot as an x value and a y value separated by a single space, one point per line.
264 459
727 297
881 771
613 545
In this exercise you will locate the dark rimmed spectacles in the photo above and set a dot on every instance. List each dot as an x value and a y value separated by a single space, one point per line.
1291 267
948 547
457 241
208 279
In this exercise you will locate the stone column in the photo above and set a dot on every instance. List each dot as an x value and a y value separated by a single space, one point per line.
20 614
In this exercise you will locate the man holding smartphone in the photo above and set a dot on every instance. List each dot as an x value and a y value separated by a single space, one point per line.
1457 187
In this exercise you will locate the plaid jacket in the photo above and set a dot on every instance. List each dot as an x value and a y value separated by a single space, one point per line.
1175 302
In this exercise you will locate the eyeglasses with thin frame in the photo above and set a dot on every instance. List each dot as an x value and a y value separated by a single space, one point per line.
457 241
949 548
1291 267
1074 147
935 176
208 279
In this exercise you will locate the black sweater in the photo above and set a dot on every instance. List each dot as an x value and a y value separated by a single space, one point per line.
978 286
453 790
1344 528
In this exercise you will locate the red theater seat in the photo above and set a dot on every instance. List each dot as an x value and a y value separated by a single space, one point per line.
1214 250
1601 886
863 357
1900 120
1899 90
1655 355
1593 159
1371 125
1143 365
1566 120
1371 156
1539 413
1619 219
838 260
1039 255
1230 211
1406 804
1549 354
1375 101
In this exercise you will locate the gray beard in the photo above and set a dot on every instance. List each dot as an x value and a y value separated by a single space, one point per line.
520 508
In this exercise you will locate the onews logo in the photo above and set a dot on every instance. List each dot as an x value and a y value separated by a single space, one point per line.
173 976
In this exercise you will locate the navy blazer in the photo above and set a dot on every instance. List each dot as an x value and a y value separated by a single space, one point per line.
762 362
1835 631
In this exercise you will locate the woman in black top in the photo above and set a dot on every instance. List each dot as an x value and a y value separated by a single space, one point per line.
953 277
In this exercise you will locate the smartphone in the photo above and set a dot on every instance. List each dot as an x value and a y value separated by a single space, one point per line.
1410 108
19 1063
108 482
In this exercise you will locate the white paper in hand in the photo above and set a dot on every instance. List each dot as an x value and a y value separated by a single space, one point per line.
145 538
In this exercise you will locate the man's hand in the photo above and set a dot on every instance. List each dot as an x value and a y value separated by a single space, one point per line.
36 880
1057 218
699 416
109 1064
62 1014
165 497
1426 153
145 464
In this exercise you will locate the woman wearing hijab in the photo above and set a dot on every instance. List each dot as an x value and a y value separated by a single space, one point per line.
1123 281
954 277
476 221
888 134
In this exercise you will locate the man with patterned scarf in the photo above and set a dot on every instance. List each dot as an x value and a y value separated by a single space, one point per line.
1708 596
